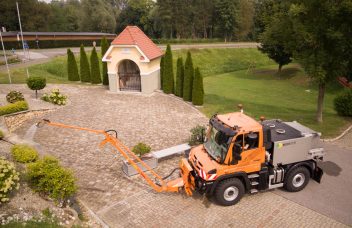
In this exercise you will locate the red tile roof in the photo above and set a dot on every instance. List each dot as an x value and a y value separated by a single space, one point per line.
132 35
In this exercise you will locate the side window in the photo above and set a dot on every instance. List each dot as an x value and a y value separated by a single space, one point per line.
238 146
251 140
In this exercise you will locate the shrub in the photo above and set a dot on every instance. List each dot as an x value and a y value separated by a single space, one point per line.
197 135
24 153
14 96
198 89
55 97
168 77
141 148
47 176
2 135
9 179
72 69
104 48
343 103
84 65
188 78
94 66
36 83
179 77
12 108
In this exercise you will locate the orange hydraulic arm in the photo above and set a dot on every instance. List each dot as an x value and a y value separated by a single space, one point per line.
162 186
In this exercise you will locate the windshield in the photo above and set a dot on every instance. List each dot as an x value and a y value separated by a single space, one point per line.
217 144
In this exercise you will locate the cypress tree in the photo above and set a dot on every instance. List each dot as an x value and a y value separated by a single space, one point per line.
94 66
188 78
162 60
72 69
168 73
104 48
84 65
179 77
198 89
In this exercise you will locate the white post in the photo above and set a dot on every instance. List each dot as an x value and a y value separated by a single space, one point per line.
19 21
7 65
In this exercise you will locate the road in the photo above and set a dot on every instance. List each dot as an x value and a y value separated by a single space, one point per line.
38 56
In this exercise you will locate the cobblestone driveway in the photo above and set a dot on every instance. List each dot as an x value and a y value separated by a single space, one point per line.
160 121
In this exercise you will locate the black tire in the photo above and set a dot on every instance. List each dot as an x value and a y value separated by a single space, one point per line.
297 179
232 188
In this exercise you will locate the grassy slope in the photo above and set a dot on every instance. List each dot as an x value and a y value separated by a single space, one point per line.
228 82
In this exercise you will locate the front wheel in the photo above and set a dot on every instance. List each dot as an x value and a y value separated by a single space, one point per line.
297 179
229 192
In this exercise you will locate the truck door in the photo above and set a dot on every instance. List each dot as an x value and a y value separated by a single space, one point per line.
252 156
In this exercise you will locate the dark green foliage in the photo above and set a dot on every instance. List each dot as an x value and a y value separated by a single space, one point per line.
168 79
179 77
276 53
197 135
13 107
36 83
162 61
84 66
104 48
47 176
95 70
141 148
72 69
14 96
198 89
24 153
343 103
188 78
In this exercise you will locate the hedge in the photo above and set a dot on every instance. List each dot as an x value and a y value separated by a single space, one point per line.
50 44
198 90
104 48
94 68
179 77
84 66
13 107
72 69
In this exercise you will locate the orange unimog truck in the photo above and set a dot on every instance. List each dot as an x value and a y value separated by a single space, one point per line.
241 155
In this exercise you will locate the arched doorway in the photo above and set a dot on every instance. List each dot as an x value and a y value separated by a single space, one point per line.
129 76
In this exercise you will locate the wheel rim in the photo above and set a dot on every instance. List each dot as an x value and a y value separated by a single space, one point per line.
298 180
231 193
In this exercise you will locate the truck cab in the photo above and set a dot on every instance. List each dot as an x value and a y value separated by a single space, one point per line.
242 155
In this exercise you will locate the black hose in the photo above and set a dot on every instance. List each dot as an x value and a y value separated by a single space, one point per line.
172 172
7 141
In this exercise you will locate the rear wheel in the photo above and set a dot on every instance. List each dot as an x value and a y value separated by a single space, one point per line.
297 179
229 192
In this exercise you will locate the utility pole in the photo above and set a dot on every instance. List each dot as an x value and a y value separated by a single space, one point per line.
7 65
19 21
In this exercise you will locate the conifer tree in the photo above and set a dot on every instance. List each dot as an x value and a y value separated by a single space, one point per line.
95 70
84 66
168 72
162 60
72 69
188 78
198 89
179 77
104 48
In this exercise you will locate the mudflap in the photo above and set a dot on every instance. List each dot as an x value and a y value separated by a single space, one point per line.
317 174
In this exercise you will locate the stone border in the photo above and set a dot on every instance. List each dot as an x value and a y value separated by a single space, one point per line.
338 137
10 128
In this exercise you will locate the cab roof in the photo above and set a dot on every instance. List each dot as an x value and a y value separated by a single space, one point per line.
241 121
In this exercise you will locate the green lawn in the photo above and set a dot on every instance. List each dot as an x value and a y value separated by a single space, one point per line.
228 82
